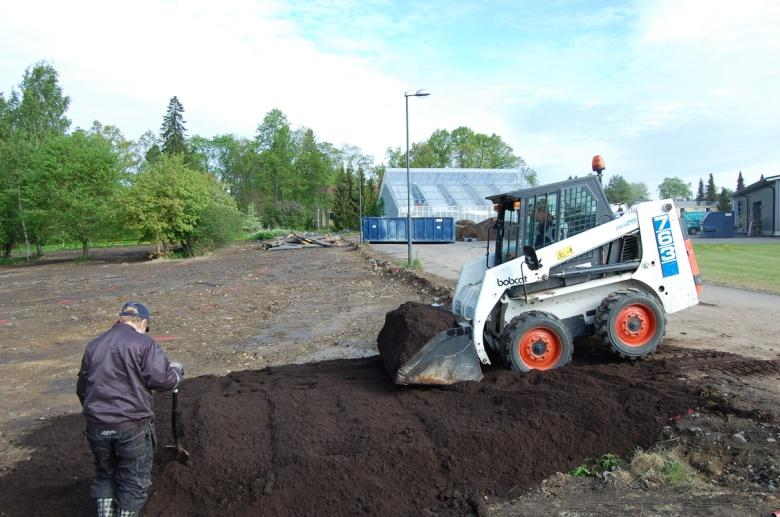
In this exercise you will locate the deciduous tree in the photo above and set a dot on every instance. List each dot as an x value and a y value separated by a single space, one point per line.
33 115
461 148
676 189
77 185
167 200
618 190
724 199
274 142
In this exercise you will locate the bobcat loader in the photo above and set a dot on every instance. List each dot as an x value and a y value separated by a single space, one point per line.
561 267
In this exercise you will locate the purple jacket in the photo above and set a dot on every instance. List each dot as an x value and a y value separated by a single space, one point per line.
118 370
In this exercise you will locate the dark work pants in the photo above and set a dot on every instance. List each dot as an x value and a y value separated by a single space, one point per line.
123 464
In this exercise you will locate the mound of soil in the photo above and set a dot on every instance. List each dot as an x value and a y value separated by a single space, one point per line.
338 438
406 331
465 229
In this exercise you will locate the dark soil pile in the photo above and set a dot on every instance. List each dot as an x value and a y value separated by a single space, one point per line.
406 331
465 229
338 438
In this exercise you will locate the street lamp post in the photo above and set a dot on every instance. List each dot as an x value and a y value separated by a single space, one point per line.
418 93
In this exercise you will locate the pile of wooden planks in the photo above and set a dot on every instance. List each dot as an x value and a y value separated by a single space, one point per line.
294 241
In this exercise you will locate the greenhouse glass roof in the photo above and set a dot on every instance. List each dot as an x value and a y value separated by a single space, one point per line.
458 193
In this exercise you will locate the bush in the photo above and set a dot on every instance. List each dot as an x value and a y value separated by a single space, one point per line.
288 215
267 235
218 225
251 222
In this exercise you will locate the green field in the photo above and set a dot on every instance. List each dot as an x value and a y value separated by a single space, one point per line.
748 265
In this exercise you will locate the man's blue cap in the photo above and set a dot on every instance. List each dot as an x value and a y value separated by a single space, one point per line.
136 309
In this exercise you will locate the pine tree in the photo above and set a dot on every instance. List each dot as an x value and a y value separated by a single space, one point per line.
700 192
740 182
172 130
711 193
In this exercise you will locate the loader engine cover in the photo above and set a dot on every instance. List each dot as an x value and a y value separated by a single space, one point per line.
423 344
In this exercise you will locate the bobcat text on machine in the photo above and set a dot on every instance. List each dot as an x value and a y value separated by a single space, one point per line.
563 267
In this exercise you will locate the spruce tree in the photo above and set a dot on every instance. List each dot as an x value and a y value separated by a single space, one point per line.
345 208
740 182
172 130
711 193
700 191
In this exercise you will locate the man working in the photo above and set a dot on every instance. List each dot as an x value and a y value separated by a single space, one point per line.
545 227
118 372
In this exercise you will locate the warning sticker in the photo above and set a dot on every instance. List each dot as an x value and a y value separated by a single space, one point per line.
565 252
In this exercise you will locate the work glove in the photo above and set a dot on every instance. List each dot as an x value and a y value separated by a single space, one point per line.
179 369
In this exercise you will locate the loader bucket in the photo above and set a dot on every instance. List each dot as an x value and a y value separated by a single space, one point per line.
427 344
449 357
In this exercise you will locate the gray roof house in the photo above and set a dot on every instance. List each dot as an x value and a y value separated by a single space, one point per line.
756 208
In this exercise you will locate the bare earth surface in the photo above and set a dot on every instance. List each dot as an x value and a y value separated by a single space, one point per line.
246 309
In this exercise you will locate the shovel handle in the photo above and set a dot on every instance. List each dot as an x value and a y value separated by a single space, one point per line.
174 406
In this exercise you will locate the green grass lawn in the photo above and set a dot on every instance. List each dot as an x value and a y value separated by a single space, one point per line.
752 266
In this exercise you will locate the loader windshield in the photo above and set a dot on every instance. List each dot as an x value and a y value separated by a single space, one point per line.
547 214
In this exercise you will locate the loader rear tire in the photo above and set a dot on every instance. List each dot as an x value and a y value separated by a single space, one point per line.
536 340
631 323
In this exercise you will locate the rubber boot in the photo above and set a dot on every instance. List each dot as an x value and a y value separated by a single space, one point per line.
106 508
127 513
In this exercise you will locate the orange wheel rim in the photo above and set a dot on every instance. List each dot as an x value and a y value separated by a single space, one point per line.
635 325
540 348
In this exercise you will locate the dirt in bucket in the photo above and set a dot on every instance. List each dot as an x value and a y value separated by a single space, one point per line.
407 329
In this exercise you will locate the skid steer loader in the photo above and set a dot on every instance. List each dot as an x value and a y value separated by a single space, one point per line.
561 267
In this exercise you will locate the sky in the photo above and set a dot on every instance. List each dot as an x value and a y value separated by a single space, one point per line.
658 88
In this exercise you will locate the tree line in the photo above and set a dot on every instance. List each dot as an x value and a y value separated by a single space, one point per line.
619 190
190 193
461 148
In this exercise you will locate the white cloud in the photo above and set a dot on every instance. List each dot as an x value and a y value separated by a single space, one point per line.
721 25
692 80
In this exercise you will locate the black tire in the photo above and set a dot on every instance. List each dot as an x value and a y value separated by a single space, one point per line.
536 340
631 323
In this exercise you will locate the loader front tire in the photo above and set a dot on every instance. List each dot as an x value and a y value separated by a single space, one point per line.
536 340
631 323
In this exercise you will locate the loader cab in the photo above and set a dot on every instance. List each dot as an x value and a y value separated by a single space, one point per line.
540 216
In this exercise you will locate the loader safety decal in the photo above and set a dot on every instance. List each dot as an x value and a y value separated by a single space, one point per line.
565 252
665 241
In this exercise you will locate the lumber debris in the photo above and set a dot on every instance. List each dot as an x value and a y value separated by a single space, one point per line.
294 241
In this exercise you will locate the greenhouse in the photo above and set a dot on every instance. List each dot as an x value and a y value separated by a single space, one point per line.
456 193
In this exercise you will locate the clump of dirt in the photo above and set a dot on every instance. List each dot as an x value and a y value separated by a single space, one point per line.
406 331
338 438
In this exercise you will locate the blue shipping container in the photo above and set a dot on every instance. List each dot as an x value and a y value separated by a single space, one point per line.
718 224
393 229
